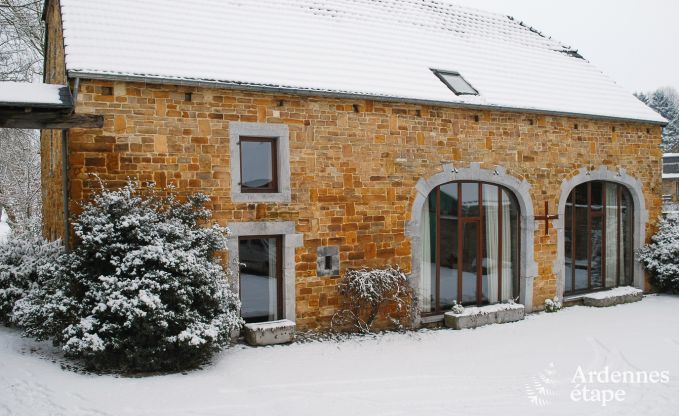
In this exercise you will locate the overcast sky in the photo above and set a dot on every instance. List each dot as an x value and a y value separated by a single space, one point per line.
635 42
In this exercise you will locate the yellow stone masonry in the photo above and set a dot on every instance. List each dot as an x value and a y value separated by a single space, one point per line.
349 187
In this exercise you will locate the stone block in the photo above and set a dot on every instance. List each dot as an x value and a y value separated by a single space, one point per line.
270 333
475 317
613 297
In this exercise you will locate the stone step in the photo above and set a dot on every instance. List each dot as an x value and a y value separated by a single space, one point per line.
616 296
270 333
474 317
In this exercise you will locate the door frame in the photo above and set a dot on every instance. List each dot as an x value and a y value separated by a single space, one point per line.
279 269
480 246
640 218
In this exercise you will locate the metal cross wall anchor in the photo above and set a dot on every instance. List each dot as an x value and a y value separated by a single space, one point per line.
546 217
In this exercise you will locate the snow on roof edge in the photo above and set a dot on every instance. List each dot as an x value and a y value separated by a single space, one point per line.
320 92
34 94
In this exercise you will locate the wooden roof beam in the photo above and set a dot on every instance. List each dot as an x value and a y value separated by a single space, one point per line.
33 118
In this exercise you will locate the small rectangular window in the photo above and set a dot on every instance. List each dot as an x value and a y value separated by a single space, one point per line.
258 164
456 82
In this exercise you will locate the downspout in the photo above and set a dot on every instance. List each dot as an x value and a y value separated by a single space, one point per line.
64 185
64 171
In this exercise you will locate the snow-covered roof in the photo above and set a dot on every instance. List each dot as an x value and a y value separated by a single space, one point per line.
380 49
20 94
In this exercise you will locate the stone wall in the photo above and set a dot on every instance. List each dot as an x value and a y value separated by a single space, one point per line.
354 165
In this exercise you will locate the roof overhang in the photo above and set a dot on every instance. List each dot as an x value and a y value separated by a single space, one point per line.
339 94
26 105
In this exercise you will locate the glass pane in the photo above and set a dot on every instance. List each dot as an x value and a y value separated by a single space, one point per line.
597 196
449 200
256 164
597 254
581 238
470 199
470 235
568 244
626 236
490 266
258 278
512 251
449 254
458 84
612 245
428 267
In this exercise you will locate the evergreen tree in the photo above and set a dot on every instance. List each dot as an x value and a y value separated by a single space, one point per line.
665 101
21 255
142 290
661 257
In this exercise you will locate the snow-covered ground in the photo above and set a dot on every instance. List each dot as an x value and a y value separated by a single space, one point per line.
521 368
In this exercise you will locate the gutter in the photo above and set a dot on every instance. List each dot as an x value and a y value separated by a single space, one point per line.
345 95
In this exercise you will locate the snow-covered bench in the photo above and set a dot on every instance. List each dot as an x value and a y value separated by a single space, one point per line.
617 296
478 316
269 333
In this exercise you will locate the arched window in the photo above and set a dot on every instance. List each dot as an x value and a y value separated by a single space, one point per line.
598 237
470 246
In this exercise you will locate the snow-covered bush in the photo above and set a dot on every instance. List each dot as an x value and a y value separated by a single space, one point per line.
366 292
457 308
142 290
20 258
552 305
661 257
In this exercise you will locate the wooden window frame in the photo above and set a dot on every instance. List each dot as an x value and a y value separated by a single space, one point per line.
279 269
273 141
593 214
479 219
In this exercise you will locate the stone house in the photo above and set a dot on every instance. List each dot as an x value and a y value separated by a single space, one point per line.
484 158
670 178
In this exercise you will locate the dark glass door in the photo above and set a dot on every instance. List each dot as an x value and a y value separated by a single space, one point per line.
470 246
260 259
598 237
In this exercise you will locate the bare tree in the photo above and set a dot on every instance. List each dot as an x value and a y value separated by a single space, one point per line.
20 176
22 36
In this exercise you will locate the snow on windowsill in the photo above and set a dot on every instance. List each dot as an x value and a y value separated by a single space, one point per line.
282 323
483 310
616 292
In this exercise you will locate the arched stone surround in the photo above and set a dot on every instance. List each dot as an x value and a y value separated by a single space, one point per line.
640 217
498 176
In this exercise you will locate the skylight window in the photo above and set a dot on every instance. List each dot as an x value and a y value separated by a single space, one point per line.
455 82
